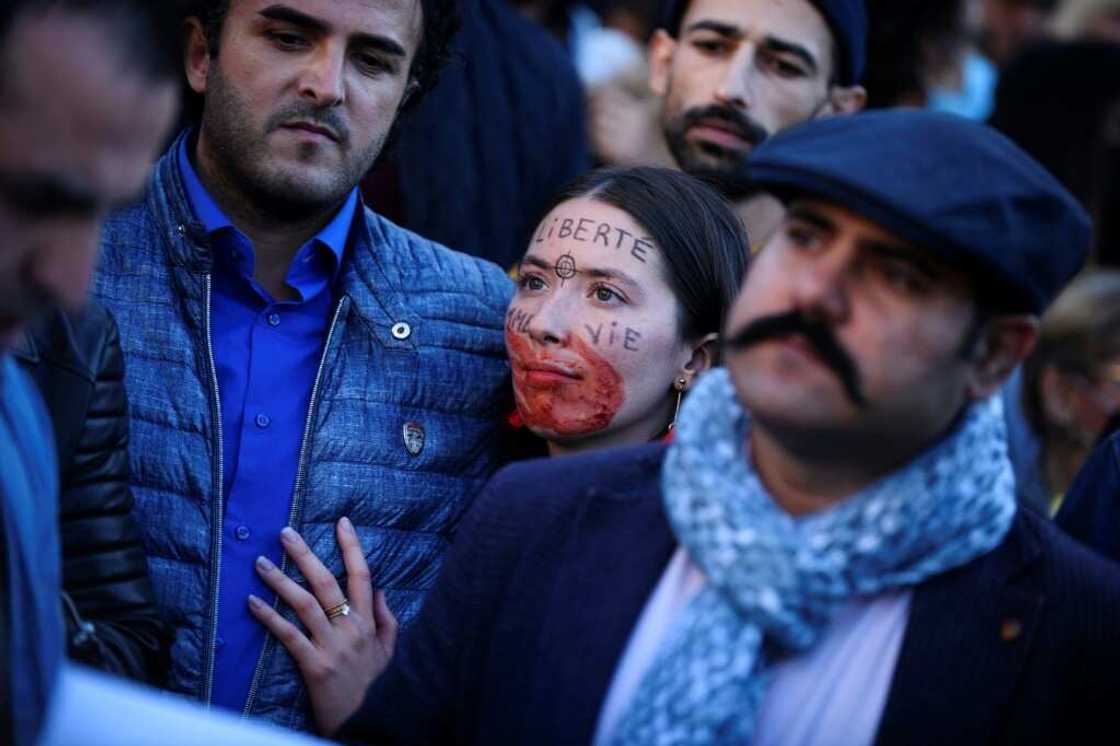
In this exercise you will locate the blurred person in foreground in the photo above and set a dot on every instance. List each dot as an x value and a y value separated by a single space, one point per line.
294 360
830 548
1071 382
80 122
112 622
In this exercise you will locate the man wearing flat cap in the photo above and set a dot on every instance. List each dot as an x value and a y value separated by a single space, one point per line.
830 551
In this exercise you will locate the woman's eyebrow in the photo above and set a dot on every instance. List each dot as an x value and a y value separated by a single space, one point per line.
610 274
600 273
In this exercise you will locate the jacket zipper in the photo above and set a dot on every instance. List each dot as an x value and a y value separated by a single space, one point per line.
297 493
217 518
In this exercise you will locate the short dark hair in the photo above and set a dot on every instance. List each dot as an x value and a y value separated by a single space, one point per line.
441 23
703 244
146 31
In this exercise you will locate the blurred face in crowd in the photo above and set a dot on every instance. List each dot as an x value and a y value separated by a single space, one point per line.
1010 24
740 71
300 96
1080 404
593 332
887 346
78 133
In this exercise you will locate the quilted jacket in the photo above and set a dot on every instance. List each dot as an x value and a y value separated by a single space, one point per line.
401 432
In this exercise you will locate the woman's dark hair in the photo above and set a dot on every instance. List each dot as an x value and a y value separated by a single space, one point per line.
441 22
703 244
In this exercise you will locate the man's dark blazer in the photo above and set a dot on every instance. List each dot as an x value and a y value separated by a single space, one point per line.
518 641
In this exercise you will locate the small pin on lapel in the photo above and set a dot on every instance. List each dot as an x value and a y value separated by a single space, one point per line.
413 437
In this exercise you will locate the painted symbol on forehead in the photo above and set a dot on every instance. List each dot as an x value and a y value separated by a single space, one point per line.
564 406
565 268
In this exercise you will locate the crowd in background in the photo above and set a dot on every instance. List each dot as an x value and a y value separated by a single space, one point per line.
522 249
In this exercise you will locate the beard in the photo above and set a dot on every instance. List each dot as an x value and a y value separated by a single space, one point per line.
247 165
721 167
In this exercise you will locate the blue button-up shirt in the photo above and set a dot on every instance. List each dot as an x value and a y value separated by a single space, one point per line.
266 353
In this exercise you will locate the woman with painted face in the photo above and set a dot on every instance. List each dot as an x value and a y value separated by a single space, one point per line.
620 300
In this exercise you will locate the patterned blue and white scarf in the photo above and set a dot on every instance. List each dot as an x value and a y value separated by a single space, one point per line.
774 584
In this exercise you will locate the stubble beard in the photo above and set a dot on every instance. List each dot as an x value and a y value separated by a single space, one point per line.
719 167
246 167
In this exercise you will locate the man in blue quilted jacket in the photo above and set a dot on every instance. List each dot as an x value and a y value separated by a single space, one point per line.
293 358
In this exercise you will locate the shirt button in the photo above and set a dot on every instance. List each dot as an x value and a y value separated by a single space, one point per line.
274 319
242 532
263 421
401 330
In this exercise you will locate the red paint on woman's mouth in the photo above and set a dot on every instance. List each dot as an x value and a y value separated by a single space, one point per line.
575 393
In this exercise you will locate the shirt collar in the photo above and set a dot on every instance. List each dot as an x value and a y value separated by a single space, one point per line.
202 204
334 234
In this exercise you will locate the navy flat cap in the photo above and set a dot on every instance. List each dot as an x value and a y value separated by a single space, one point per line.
945 184
846 18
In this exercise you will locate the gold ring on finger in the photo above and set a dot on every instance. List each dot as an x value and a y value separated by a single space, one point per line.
342 609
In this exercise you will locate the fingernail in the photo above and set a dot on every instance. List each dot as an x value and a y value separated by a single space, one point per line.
347 525
255 602
289 534
265 564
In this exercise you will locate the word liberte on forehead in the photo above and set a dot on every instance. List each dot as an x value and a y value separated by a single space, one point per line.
588 230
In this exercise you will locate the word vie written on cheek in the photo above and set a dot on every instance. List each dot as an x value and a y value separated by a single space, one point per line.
600 335
587 230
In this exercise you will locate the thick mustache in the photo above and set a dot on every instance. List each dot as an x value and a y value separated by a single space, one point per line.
751 130
819 337
327 118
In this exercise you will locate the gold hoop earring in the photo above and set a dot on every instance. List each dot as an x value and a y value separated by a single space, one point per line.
680 385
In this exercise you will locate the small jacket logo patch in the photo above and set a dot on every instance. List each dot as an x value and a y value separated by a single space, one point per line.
413 437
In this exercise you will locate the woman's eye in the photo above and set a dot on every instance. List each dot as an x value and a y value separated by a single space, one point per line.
605 294
531 282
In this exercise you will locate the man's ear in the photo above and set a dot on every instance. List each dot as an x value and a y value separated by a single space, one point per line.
196 54
703 358
1003 344
844 100
661 50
